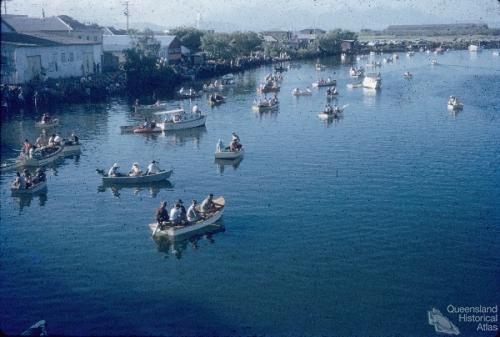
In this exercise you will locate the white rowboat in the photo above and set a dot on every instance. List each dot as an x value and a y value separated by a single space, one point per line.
229 154
174 231
49 158
126 179
51 124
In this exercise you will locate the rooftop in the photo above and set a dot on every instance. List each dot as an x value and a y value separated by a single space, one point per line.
23 23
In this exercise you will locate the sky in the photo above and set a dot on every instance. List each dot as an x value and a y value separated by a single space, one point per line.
227 15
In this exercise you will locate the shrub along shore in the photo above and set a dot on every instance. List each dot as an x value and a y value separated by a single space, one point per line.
144 74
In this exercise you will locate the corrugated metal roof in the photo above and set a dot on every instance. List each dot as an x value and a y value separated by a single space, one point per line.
28 24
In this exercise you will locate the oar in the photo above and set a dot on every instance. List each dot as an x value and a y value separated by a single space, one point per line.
154 233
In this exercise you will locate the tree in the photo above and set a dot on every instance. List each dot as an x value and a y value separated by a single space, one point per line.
244 43
145 71
190 37
217 45
330 42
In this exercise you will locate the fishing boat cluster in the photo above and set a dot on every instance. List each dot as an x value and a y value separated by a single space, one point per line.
178 221
38 154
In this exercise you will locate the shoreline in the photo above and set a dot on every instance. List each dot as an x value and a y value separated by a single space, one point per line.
97 88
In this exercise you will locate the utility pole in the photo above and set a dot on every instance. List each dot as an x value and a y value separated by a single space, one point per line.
126 13
5 6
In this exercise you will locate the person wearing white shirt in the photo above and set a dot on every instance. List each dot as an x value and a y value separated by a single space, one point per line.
57 139
195 109
176 214
113 171
52 140
192 213
207 205
153 168
135 170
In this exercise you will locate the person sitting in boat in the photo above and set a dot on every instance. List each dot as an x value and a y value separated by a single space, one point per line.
192 213
208 204
41 141
195 109
27 146
176 214
39 176
181 90
19 183
153 168
220 146
162 214
135 170
234 136
157 103
183 210
74 138
27 178
113 171
57 139
136 103
52 138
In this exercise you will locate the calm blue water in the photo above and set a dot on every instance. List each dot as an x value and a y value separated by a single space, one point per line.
354 228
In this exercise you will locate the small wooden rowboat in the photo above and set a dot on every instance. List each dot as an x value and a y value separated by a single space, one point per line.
42 157
229 154
146 178
30 190
71 147
53 123
129 128
151 107
455 107
142 129
217 101
264 107
323 83
209 219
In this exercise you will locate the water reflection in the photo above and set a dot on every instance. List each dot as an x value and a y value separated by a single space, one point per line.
137 189
332 120
271 114
177 246
181 137
370 96
221 163
25 200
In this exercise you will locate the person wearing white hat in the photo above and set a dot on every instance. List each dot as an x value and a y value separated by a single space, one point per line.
113 171
135 170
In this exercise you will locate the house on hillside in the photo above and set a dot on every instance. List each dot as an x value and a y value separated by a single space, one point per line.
170 47
304 37
347 45
28 56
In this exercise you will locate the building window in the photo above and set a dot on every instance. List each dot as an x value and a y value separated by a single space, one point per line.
79 36
63 57
88 38
71 57
95 38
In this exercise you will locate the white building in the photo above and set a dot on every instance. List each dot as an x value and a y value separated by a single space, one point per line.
44 55
170 46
